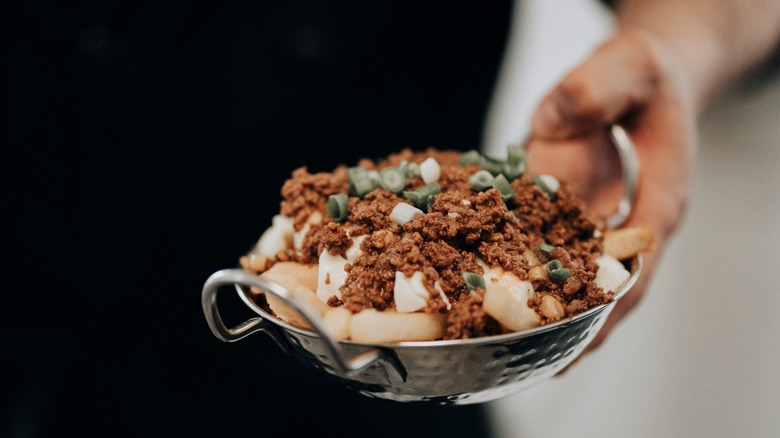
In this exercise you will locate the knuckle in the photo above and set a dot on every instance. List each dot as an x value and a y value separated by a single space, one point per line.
582 97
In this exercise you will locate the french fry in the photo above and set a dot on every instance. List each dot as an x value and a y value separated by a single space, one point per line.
297 287
337 320
624 243
506 300
373 327
285 272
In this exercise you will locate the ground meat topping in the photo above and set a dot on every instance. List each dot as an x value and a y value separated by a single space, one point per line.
463 231
468 320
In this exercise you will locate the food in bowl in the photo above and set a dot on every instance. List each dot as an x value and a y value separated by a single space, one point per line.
438 244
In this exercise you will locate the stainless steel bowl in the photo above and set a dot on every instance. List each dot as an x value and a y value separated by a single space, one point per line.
438 372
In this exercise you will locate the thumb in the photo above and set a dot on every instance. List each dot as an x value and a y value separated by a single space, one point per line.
618 78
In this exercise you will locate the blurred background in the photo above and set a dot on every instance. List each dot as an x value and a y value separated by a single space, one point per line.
148 142
698 357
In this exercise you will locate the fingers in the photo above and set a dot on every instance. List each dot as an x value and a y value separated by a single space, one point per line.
617 79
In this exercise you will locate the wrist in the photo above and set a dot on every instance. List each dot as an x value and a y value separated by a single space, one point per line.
690 67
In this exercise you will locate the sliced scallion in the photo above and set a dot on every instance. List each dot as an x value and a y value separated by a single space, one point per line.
491 165
547 184
403 166
471 157
501 184
423 197
360 181
513 171
392 179
481 180
403 212
373 175
473 281
544 252
356 171
515 164
337 206
556 272
413 170
515 154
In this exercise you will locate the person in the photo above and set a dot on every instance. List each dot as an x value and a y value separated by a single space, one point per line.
665 63
167 126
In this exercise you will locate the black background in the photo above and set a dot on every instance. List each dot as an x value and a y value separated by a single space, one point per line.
145 144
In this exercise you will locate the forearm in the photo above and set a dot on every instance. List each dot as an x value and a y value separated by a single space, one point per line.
714 41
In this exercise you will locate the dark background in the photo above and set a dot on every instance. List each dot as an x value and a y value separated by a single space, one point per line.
145 144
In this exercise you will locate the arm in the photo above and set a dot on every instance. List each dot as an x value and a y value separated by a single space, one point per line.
715 41
666 61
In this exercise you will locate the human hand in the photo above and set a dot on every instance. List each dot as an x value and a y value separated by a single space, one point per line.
634 81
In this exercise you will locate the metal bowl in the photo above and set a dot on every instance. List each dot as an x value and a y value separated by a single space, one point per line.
437 372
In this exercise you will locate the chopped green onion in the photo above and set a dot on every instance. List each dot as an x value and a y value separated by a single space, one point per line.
356 171
493 166
556 272
547 184
373 175
515 154
337 206
423 197
473 281
470 157
501 184
403 166
430 170
513 171
392 179
413 170
403 213
544 252
481 180
360 182
429 189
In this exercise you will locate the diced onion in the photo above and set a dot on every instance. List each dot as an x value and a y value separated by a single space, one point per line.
430 170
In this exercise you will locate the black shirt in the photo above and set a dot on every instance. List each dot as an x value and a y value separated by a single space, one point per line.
151 141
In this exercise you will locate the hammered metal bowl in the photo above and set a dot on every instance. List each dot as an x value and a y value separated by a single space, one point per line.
436 372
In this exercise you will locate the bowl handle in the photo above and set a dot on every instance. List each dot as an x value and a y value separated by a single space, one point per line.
629 163
341 365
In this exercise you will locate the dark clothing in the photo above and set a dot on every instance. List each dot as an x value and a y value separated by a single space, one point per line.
151 141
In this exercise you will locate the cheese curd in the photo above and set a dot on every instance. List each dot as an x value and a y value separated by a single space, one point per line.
275 239
611 274
330 276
